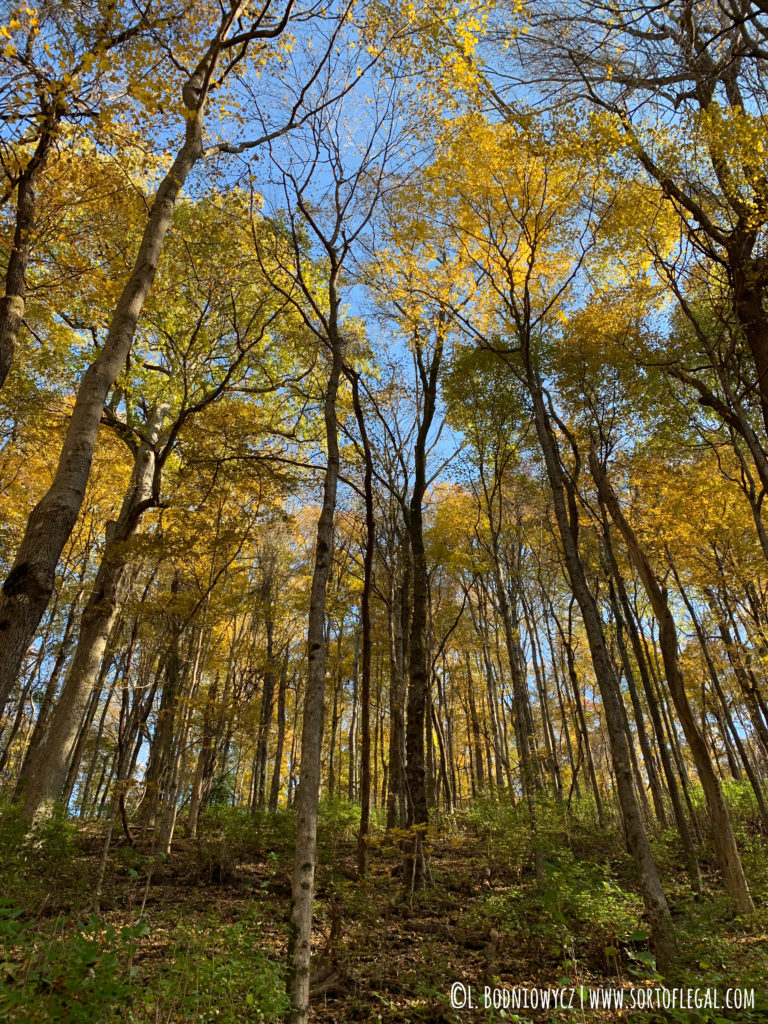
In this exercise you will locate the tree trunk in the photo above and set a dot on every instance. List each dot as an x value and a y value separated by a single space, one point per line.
365 617
396 798
205 759
28 586
645 746
352 734
265 718
303 880
46 766
13 303
274 789
724 839
418 682
475 724
567 520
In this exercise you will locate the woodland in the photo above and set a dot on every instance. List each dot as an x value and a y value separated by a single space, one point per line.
383 471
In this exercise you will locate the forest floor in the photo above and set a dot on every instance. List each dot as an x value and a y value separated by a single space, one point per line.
204 939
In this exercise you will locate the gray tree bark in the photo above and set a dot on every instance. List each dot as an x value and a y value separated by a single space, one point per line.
303 879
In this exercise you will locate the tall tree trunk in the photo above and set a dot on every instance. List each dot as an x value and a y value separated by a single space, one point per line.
265 718
303 879
747 685
352 735
158 766
205 759
399 615
418 682
274 789
581 718
46 765
541 686
566 514
757 788
522 712
335 716
475 724
681 820
43 715
77 754
27 589
366 637
724 839
642 734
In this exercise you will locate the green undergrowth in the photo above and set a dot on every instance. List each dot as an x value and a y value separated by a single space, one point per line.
204 939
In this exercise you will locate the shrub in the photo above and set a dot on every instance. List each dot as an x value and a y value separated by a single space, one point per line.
77 977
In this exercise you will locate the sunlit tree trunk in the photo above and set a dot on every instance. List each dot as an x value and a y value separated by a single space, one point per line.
303 879
566 514
724 839
46 765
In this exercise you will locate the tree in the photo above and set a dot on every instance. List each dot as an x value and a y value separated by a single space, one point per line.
515 216
28 586
333 217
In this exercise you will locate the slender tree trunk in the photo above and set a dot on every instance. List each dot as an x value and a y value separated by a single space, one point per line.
366 637
335 716
541 686
724 839
396 796
274 789
13 303
85 728
205 759
720 696
574 680
352 735
418 683
265 719
523 737
43 715
747 686
565 728
681 819
307 801
475 724
642 734
157 773
566 514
